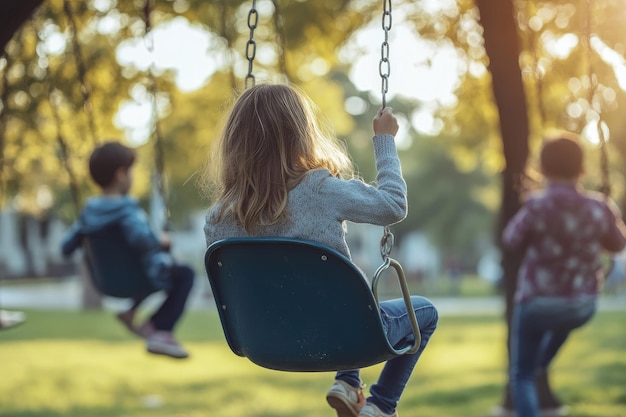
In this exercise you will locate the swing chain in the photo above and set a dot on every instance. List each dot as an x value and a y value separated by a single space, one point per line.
55 98
81 70
384 69
159 152
384 66
386 243
282 42
605 186
253 20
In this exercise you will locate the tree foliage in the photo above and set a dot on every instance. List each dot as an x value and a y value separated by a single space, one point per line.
451 172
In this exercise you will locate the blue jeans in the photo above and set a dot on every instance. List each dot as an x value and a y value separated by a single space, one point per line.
168 314
386 393
539 328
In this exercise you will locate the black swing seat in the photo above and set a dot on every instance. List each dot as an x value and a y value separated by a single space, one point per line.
296 305
115 266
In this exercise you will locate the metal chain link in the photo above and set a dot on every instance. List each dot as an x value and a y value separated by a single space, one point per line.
384 66
55 98
386 243
159 151
253 20
81 70
384 69
605 186
226 33
282 42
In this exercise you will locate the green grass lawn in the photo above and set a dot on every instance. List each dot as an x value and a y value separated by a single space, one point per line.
84 364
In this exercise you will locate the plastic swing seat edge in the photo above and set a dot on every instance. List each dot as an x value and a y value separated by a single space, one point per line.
266 321
111 261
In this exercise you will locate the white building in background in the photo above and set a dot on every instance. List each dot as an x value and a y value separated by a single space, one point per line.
364 243
28 245
189 245
489 266
418 257
12 256
25 241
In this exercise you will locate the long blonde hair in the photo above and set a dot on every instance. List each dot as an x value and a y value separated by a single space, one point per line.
271 139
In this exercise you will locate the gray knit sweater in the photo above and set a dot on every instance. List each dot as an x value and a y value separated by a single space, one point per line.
320 204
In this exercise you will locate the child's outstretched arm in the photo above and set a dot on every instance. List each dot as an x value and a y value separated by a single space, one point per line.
615 238
515 234
72 239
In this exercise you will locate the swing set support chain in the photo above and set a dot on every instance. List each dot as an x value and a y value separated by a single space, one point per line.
386 243
531 11
282 41
605 186
81 70
159 153
384 69
253 21
55 98
384 66
228 38
4 96
147 11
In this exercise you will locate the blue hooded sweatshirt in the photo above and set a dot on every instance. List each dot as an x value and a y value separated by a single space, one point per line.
101 212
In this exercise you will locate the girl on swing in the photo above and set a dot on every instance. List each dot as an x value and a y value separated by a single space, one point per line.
279 174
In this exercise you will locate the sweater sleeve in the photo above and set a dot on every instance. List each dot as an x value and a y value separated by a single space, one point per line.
384 204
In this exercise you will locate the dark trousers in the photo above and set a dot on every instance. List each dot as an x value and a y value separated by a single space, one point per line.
168 314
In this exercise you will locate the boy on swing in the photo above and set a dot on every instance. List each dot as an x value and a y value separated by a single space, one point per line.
110 166
562 231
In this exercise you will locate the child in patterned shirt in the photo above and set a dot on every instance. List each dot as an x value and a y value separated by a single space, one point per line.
562 231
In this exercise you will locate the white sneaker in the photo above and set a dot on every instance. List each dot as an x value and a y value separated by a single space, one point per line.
163 343
11 318
345 399
370 410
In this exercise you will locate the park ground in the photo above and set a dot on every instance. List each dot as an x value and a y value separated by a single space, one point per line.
73 363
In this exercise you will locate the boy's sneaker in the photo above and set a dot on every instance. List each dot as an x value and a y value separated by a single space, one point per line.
162 343
127 318
345 399
370 410
11 318
145 330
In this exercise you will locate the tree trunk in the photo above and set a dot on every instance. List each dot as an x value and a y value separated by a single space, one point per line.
12 15
502 47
